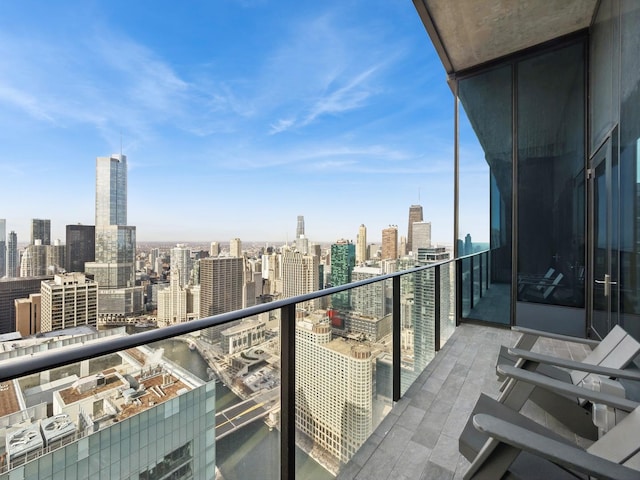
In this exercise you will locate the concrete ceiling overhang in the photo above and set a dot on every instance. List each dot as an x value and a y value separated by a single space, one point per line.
468 33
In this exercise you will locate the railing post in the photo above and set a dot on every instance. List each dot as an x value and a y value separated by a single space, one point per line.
396 357
459 288
436 330
288 392
480 274
472 277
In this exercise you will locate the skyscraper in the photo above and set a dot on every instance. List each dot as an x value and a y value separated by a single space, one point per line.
34 260
361 245
69 300
214 249
468 245
300 226
181 264
300 276
390 243
221 289
415 215
80 246
235 248
114 268
40 230
343 259
13 259
3 247
421 236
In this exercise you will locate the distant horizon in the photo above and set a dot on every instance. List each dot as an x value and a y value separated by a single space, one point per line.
235 117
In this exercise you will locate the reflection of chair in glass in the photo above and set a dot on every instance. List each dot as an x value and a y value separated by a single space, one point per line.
538 288
540 454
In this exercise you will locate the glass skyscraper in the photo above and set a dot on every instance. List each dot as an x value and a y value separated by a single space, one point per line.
3 247
115 242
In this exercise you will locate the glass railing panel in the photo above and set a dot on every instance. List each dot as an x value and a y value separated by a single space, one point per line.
145 412
343 375
465 288
243 357
418 324
476 279
447 301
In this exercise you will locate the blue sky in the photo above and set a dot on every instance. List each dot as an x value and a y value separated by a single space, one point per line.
236 116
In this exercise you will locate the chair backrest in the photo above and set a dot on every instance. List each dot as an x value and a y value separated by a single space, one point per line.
621 444
616 350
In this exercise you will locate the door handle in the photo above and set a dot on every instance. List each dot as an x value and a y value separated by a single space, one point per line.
607 284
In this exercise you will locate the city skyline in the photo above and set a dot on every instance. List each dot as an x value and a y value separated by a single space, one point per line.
297 113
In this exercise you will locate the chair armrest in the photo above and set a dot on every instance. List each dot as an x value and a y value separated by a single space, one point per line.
558 386
556 336
573 365
552 450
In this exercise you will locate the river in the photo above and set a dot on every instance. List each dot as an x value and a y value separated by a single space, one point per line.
253 451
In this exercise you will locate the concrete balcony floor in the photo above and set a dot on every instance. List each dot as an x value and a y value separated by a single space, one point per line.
419 437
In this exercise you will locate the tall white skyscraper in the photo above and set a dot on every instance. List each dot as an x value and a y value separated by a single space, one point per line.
235 248
300 226
3 247
361 245
181 264
114 268
214 249
300 276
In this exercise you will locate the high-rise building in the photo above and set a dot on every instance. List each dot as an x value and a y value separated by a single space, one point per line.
421 236
235 248
300 227
390 243
415 215
181 264
34 260
424 312
55 257
11 289
343 259
80 246
69 300
361 245
214 249
3 247
13 258
114 267
468 245
300 276
221 289
368 300
172 302
28 314
40 230
336 415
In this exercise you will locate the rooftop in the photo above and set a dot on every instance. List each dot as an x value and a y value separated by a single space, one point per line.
419 437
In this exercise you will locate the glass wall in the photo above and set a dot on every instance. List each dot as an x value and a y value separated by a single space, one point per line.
630 167
487 101
551 185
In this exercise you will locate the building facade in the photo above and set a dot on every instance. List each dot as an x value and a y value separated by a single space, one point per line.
3 247
221 289
40 230
80 246
337 415
415 215
390 243
343 260
361 245
69 300
300 275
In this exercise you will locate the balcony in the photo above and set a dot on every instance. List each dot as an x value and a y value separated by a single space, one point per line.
129 408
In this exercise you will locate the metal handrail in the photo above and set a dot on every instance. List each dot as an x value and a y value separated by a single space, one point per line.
38 362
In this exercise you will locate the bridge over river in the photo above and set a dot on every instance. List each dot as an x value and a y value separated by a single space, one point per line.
241 414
